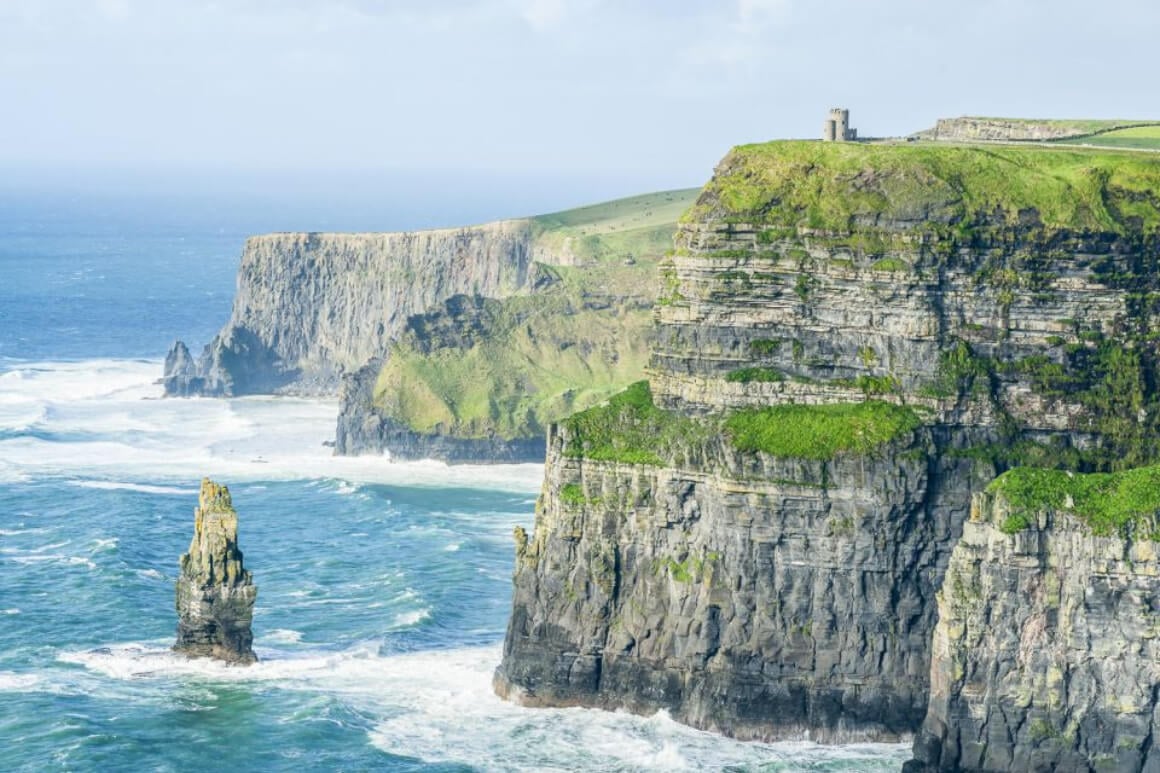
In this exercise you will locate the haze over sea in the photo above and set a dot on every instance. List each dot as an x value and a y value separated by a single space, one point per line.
383 588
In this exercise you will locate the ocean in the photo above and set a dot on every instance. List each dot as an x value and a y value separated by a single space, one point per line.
383 588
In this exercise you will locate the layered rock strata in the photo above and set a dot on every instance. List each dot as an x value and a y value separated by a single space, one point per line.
215 592
999 295
1046 656
762 597
311 307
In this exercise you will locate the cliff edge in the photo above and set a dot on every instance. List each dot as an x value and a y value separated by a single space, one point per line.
852 341
310 308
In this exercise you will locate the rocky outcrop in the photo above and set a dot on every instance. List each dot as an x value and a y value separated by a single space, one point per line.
760 587
1047 652
365 429
215 593
312 307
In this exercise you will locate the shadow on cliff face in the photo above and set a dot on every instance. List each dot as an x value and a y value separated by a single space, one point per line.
234 364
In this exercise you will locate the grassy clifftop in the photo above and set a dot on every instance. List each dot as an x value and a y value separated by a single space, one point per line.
1107 502
843 186
512 367
636 227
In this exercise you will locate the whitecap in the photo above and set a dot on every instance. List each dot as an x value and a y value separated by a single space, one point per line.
283 636
412 618
12 611
422 699
10 681
113 485
345 488
53 559
95 425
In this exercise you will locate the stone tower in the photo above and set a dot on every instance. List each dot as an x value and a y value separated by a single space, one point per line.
837 127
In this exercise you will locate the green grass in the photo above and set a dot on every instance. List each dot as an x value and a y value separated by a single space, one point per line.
536 359
630 428
639 226
834 186
819 431
890 264
747 375
544 356
1137 137
1107 502
573 494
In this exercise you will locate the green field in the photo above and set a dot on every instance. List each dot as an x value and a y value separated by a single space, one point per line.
833 186
636 227
1137 137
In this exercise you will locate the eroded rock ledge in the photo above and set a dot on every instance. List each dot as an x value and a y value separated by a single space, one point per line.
215 593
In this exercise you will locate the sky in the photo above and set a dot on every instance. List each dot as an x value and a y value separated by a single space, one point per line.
617 95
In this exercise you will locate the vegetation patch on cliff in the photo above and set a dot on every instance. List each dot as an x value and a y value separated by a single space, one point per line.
509 368
630 428
819 431
838 186
1108 502
490 368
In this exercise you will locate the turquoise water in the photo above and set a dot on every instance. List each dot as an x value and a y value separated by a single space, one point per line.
383 588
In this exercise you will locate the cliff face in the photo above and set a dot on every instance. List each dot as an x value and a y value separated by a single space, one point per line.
215 592
976 129
312 307
1046 654
753 595
995 296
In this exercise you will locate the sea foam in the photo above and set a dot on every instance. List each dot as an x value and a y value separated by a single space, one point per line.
104 422
439 706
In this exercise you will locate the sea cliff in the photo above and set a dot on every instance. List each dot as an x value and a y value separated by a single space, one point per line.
461 344
1046 655
853 340
312 307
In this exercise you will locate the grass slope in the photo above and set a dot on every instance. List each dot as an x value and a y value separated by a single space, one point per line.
636 227
541 357
557 351
835 186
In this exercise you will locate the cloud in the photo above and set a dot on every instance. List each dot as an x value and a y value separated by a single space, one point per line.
543 14
114 9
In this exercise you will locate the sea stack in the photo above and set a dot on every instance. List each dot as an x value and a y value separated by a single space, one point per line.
215 593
